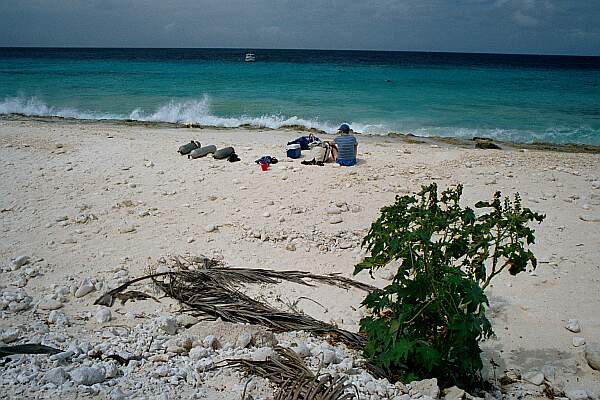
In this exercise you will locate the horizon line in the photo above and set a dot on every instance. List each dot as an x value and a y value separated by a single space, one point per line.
298 49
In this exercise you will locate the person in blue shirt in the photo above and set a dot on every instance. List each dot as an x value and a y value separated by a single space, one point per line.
346 147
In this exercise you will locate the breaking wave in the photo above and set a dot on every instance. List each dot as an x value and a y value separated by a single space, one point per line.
198 112
195 111
32 106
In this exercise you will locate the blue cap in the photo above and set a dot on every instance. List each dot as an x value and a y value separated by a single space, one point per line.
344 128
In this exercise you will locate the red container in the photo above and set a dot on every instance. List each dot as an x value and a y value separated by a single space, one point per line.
264 166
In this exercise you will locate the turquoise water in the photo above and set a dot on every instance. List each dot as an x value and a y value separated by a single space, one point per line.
516 98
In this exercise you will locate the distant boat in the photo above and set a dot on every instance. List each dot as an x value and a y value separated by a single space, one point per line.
250 57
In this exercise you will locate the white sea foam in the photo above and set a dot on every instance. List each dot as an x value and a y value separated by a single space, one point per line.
32 106
198 111
194 111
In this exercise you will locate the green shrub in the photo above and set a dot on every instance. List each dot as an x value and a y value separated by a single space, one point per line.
428 321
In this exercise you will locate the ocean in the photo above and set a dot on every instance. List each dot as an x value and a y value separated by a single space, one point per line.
519 98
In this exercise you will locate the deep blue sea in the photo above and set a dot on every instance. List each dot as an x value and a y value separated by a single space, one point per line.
518 98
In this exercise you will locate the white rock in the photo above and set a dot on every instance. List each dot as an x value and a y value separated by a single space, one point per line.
576 394
20 282
535 377
549 372
161 371
573 326
203 364
336 219
266 214
50 304
210 228
228 346
111 370
19 262
198 353
58 317
427 387
454 393
592 355
88 375
127 229
590 217
57 376
334 211
355 209
244 339
103 315
117 394
85 288
301 349
167 324
186 320
371 387
327 356
262 353
9 335
65 355
578 341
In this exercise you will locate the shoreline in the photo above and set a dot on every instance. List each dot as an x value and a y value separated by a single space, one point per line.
406 137
102 201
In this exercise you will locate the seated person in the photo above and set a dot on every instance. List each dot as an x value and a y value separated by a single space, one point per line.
346 147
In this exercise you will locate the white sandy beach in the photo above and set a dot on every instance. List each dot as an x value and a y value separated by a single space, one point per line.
146 201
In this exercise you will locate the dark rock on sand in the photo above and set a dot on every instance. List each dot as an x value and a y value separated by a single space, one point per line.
486 144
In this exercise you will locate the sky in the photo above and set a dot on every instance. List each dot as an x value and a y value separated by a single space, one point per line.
494 26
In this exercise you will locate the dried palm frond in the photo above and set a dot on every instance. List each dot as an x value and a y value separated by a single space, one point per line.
216 296
108 298
295 381
208 290
237 276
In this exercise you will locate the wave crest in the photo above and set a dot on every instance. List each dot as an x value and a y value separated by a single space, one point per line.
193 111
32 106
198 111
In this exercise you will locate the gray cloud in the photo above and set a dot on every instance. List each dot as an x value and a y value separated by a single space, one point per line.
523 26
524 20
